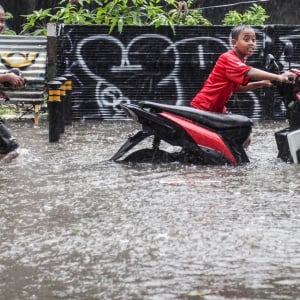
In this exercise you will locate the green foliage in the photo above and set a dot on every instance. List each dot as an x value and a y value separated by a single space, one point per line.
8 15
188 17
8 31
255 15
6 109
70 15
37 21
114 13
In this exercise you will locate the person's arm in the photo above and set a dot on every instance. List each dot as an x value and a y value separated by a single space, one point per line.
257 74
254 85
12 78
264 79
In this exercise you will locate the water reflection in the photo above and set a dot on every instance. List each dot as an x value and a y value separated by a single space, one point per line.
75 226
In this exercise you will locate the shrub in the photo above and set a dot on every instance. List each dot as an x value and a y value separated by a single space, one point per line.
116 14
255 15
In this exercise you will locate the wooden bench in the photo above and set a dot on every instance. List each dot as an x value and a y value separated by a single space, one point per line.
29 54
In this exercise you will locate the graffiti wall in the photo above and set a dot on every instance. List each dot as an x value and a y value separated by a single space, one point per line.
144 63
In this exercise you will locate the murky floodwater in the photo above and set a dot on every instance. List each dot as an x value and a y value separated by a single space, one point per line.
74 226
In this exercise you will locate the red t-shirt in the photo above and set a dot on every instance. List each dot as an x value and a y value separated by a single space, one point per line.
228 74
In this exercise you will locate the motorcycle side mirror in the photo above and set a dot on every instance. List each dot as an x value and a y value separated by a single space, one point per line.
270 60
288 49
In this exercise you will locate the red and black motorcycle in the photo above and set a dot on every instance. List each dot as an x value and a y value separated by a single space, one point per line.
202 137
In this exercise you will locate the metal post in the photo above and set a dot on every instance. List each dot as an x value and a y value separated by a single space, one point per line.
54 103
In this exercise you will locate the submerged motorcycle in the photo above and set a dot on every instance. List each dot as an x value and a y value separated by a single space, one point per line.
208 138
202 137
288 139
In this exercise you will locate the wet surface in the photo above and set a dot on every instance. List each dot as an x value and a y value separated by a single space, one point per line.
75 226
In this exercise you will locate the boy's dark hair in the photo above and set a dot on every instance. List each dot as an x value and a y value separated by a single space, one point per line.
235 31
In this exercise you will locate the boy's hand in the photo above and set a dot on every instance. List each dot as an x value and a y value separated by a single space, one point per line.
287 77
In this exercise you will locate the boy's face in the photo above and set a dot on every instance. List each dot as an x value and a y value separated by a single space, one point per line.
2 20
245 44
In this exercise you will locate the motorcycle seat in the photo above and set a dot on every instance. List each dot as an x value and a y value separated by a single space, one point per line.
217 121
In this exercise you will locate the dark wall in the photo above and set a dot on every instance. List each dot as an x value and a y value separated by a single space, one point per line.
46 4
19 8
155 65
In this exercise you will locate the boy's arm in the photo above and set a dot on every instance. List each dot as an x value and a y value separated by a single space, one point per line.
257 74
254 85
264 79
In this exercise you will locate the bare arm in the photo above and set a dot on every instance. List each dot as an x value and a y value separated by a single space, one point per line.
254 85
264 79
257 74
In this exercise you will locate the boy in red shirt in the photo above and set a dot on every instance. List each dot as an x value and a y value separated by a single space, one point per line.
230 73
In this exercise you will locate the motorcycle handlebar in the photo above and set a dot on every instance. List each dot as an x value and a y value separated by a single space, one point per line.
291 78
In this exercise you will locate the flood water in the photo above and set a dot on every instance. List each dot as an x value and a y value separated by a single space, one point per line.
75 226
